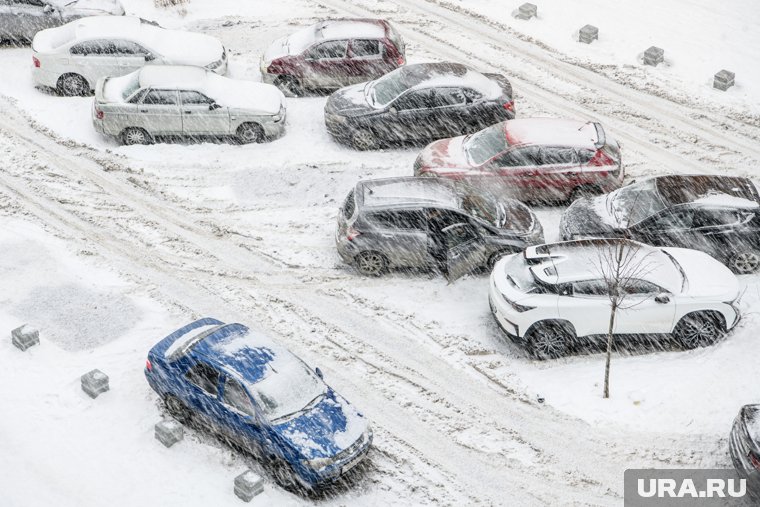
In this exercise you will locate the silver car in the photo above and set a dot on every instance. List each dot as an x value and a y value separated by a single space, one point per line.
21 19
166 100
425 223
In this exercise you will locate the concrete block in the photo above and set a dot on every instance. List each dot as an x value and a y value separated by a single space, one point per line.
588 33
24 337
724 80
247 485
95 383
654 55
527 11
169 432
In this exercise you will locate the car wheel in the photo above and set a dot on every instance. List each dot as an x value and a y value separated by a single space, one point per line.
134 135
371 263
744 262
364 140
549 340
73 85
177 409
250 133
697 330
290 85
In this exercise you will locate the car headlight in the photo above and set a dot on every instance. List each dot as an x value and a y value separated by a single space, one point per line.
516 307
215 65
319 463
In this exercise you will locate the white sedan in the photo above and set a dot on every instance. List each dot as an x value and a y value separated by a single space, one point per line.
554 297
72 57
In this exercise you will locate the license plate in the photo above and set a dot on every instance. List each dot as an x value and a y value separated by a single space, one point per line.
351 464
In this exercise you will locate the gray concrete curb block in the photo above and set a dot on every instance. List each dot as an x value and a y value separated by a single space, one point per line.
169 432
527 11
248 485
24 337
653 56
95 383
588 34
724 80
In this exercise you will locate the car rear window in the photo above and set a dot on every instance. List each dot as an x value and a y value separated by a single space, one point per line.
365 48
349 205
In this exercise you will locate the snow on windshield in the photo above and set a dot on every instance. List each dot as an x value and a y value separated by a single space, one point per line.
486 143
634 203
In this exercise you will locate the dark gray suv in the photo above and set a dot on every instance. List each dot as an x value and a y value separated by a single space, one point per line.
426 223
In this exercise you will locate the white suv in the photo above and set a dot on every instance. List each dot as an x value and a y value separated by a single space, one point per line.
72 57
554 297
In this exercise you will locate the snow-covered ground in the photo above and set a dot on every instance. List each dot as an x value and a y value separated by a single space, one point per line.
106 249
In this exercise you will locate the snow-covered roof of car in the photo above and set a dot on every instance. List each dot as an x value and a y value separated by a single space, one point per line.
332 29
225 91
574 261
551 132
446 74
407 191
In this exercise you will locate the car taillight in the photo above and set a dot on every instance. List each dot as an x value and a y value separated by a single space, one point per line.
99 114
148 366
754 459
600 158
36 61
509 106
400 60
352 233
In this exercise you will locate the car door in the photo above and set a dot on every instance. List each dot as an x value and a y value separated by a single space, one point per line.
159 113
366 60
327 65
586 304
202 393
516 170
409 117
645 309
94 59
130 56
670 227
560 170
201 115
22 19
402 235
465 250
238 416
450 112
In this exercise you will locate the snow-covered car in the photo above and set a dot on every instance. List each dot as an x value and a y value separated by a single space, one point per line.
554 298
257 394
331 54
719 215
744 447
535 159
71 58
420 102
21 19
424 223
173 100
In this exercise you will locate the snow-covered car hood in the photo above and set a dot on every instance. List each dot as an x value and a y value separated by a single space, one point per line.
446 154
327 429
588 217
89 7
705 277
349 101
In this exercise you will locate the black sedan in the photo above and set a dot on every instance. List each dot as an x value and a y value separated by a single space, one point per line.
418 103
744 447
719 215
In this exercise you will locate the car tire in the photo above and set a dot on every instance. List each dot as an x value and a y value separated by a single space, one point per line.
698 330
177 409
134 135
549 339
248 133
363 140
73 85
289 85
744 262
371 263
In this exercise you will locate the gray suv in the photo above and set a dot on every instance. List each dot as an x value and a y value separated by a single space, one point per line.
426 223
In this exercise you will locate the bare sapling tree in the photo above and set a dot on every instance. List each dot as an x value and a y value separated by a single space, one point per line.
621 263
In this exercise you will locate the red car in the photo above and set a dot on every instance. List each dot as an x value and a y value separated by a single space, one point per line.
536 159
332 54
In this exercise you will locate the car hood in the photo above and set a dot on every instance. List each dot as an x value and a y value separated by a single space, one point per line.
588 217
446 155
705 277
327 429
349 101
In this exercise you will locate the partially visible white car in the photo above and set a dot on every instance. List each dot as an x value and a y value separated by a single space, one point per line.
553 297
72 57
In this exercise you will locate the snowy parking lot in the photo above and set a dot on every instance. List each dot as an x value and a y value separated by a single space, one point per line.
107 248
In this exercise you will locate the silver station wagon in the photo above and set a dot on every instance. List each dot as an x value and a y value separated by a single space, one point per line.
192 102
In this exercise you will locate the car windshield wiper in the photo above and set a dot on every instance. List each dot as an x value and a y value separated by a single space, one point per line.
369 93
306 408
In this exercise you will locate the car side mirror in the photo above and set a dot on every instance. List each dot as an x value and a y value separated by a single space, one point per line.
150 57
663 299
319 373
213 106
393 110
48 9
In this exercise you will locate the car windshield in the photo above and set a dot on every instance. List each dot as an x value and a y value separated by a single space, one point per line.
480 207
288 390
634 203
386 89
131 87
486 144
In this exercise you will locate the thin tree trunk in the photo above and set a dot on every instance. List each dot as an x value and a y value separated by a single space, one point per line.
613 310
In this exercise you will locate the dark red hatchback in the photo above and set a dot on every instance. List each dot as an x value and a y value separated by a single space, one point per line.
332 54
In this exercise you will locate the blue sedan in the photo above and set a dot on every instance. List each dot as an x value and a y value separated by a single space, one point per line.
260 396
